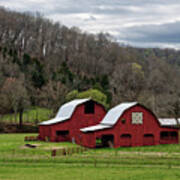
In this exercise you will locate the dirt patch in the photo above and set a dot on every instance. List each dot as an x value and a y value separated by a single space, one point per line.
54 147
26 147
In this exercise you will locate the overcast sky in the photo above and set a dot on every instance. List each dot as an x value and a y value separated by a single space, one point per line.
142 23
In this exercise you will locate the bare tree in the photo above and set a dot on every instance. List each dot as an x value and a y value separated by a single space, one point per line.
14 97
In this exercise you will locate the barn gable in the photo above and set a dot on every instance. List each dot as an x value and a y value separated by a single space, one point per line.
115 113
65 111
111 117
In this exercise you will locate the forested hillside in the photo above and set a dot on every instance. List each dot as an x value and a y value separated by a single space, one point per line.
41 61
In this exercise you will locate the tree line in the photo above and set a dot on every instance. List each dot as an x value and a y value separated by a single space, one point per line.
42 61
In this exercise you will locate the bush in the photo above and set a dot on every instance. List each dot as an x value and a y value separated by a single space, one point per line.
94 94
71 95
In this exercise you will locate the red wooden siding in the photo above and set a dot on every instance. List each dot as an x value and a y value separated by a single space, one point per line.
148 140
126 140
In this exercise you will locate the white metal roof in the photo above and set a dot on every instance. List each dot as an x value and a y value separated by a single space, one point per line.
53 121
65 111
113 114
95 128
168 121
116 112
163 122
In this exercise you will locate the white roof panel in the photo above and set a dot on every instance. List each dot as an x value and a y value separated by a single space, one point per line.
95 128
53 121
113 114
168 121
65 111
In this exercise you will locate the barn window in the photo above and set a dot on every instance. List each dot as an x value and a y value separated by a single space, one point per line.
89 107
125 136
123 121
148 135
137 118
62 133
164 135
173 135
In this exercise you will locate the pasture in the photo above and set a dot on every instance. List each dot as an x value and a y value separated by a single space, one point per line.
32 115
22 163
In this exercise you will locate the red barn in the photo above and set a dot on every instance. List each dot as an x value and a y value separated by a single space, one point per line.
130 124
70 118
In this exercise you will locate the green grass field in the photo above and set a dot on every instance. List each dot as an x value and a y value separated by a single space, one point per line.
33 115
153 162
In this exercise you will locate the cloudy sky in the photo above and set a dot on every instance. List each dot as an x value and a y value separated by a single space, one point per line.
142 23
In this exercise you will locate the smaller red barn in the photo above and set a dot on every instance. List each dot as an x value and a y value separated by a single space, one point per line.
70 118
130 124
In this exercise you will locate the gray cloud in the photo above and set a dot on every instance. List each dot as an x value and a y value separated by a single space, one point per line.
144 23
165 35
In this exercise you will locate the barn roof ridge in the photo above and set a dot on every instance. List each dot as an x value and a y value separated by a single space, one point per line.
114 113
65 111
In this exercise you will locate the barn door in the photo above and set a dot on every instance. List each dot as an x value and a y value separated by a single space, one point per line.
62 135
148 140
125 140
107 140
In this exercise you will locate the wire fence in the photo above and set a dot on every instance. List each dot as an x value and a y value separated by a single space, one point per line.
84 157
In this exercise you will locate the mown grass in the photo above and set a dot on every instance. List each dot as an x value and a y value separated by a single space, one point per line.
32 115
26 172
153 162
159 148
63 172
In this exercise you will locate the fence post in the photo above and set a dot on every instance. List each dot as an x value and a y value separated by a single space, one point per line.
64 151
53 153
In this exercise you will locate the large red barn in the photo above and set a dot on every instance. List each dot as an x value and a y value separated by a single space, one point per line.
70 118
130 124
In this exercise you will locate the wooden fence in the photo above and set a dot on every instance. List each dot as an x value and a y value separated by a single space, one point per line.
68 151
